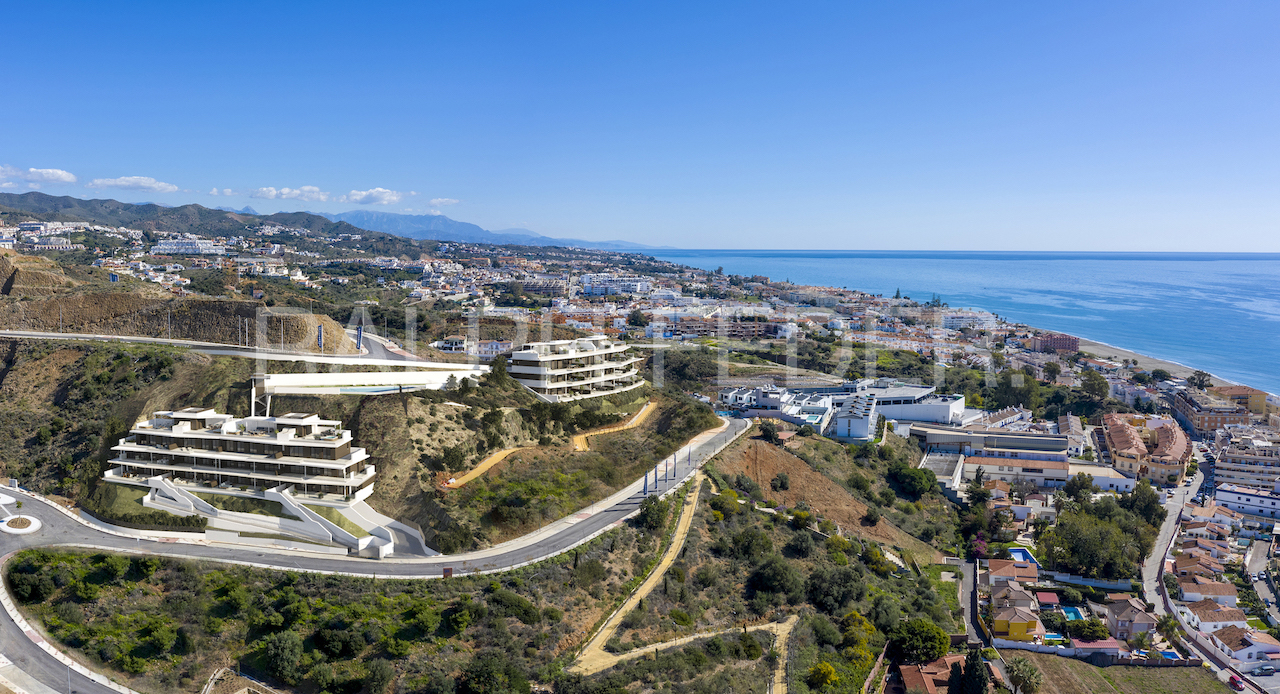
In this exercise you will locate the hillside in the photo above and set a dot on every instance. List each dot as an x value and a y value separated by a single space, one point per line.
28 275
442 228
190 218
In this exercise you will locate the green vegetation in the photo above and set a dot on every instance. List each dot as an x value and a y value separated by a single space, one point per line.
335 516
1104 539
241 504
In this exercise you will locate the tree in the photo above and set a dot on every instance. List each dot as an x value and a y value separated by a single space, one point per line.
780 482
769 431
653 514
872 516
1051 371
1167 626
975 680
1095 386
1161 375
1200 379
636 319
1080 487
1023 675
282 652
777 575
920 641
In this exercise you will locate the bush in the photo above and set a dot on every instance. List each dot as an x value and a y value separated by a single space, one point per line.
282 652
872 516
653 514
379 676
777 575
509 604
801 544
31 587
1071 596
780 482
821 676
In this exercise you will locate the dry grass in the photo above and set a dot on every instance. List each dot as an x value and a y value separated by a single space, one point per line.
1070 676
762 461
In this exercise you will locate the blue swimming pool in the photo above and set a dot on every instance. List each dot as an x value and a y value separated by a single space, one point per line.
1073 613
1052 637
1021 554
1170 655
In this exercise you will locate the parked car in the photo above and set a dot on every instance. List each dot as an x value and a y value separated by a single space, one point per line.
1236 683
1264 671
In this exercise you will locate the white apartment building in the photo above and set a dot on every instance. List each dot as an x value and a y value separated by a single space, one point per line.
566 370
201 447
1247 456
607 284
974 320
177 246
1264 503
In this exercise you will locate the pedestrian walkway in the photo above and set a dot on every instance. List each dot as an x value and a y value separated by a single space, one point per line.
483 467
776 627
580 440
593 654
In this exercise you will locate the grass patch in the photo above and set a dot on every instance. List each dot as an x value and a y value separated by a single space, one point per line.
240 504
1070 676
127 501
334 516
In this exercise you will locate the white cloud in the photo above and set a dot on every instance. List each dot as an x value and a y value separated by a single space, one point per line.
50 176
213 191
8 184
373 196
226 191
441 202
134 183
304 193
36 176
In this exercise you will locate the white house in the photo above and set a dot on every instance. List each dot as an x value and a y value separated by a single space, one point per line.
1198 589
1209 616
1245 644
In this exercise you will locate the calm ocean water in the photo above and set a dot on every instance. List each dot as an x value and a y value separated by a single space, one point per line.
1214 311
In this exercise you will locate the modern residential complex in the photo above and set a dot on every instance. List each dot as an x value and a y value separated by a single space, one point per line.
1205 413
1247 456
1250 501
201 447
180 246
566 370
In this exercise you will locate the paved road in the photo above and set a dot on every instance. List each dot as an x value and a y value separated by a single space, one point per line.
378 354
1151 568
557 537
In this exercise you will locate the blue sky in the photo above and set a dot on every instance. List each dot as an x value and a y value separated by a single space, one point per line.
1070 126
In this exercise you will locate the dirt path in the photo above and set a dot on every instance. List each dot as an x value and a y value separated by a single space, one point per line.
593 657
781 634
483 467
580 440
608 660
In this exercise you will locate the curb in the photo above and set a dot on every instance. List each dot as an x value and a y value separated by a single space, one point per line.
40 641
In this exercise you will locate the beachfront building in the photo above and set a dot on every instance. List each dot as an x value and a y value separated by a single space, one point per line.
188 246
1251 399
1204 413
1158 452
1054 342
566 370
201 447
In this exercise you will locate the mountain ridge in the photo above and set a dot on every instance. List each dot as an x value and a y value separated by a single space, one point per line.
438 227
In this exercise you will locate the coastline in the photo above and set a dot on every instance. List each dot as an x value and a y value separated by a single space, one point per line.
1107 351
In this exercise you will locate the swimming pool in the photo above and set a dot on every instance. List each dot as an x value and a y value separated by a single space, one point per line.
1052 637
1171 655
1073 613
1021 554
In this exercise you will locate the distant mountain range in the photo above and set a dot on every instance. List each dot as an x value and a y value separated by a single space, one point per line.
224 221
153 217
441 228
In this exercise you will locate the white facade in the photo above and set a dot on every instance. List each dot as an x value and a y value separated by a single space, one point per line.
566 370
200 446
188 247
1250 501
974 320
855 421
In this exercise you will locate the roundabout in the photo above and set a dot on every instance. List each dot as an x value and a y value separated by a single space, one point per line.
19 525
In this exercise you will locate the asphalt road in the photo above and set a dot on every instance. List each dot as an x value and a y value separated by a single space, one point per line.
1151 567
58 529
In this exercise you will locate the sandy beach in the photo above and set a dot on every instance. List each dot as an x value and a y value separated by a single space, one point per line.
1107 351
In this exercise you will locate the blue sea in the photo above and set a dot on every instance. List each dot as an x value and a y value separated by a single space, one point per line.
1214 311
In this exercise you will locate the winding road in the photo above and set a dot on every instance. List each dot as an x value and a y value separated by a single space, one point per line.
60 528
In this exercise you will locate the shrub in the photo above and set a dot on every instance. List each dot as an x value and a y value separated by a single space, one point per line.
872 516
282 652
379 676
821 676
509 604
920 641
653 514
780 482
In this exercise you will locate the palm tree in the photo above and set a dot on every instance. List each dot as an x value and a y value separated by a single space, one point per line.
1023 675
1141 640
1167 625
